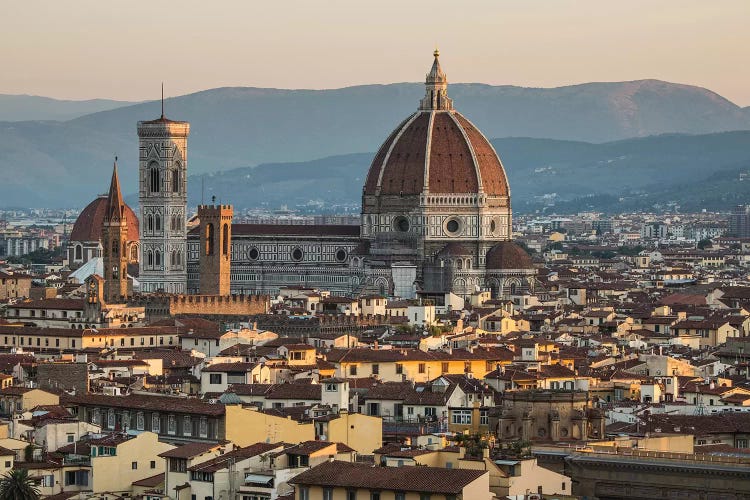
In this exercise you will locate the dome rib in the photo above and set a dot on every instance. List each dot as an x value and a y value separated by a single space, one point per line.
489 163
477 171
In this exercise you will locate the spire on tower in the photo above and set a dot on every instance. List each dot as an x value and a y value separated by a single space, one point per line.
115 206
436 92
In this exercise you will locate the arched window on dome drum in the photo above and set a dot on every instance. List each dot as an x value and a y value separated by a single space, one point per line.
150 258
209 239
79 252
157 258
157 222
225 239
154 178
176 180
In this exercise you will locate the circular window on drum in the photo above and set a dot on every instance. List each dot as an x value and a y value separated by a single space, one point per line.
341 255
253 254
453 226
297 254
401 224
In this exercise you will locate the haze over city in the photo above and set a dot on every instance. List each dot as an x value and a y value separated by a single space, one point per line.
394 250
124 50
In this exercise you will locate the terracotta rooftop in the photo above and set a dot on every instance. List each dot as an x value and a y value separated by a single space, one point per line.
413 479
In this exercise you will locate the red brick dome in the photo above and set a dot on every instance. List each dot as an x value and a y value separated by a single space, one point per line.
88 226
507 255
437 150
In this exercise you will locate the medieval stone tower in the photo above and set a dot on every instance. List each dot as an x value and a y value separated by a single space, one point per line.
115 244
215 249
162 177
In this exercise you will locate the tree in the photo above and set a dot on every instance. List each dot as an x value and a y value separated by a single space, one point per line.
17 485
706 242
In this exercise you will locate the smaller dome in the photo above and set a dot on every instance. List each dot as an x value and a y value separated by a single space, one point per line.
508 255
88 226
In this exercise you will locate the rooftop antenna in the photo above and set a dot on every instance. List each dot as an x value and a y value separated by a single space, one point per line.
162 99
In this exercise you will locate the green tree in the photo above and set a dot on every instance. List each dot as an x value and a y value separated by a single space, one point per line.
17 485
702 244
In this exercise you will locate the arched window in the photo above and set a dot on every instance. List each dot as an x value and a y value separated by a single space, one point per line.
150 222
173 258
79 252
225 239
115 247
157 222
179 258
150 259
175 180
154 178
134 253
157 258
209 239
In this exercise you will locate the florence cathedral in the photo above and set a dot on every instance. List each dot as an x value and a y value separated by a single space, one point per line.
436 218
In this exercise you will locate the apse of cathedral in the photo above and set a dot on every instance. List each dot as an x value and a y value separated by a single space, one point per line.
436 218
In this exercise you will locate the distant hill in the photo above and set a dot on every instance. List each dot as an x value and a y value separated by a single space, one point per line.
694 171
30 107
66 163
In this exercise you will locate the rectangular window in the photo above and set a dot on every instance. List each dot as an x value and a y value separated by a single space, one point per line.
153 464
374 495
422 368
327 493
134 465
304 493
375 369
214 378
461 417
353 370
399 368
444 367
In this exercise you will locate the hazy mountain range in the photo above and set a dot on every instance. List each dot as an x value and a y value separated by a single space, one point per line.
15 108
65 163
697 172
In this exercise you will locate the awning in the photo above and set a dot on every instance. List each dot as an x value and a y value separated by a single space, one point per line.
258 479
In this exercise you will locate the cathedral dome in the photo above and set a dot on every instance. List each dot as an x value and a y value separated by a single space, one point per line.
88 226
507 255
436 150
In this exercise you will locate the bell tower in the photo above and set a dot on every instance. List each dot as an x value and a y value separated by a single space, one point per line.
162 174
114 244
215 249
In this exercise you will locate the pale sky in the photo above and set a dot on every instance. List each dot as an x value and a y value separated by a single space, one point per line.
124 50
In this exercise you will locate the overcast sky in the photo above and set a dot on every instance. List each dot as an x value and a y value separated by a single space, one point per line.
123 50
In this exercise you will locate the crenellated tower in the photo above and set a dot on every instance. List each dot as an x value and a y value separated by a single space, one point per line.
115 244
215 249
163 204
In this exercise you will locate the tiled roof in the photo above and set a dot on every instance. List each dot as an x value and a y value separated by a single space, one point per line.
158 403
189 450
415 479
62 304
223 461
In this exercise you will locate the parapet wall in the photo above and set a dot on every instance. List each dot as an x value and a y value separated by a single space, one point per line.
242 305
